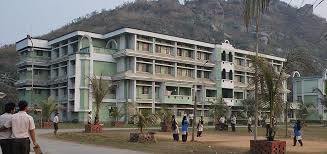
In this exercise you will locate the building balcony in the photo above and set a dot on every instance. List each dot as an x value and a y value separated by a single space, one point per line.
178 99
243 68
226 83
35 82
240 84
161 56
104 50
229 101
210 99
60 79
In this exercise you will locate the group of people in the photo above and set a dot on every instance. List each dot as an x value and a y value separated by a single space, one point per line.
185 124
17 129
223 124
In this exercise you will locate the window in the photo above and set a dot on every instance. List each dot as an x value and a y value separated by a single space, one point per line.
223 56
143 46
39 53
230 75
179 52
198 74
145 90
188 73
230 57
238 95
206 75
299 98
37 91
206 56
179 72
56 92
198 56
223 74
37 72
158 69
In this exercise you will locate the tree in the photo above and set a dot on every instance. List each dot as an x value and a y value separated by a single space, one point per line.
248 105
322 97
48 107
270 82
116 113
302 112
145 119
218 108
164 115
100 88
253 9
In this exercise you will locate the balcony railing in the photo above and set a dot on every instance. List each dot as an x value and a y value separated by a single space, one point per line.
104 50
178 99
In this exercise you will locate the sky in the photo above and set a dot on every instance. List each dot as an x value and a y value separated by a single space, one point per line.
36 17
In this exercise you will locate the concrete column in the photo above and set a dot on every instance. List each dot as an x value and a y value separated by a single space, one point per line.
153 97
162 92
153 67
122 42
175 49
134 64
175 70
153 45
134 42
195 72
195 52
133 90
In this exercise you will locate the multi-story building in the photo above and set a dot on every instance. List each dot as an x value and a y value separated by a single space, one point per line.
310 91
149 70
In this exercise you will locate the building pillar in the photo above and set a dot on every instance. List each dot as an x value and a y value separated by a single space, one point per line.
153 67
153 97
134 64
175 70
162 92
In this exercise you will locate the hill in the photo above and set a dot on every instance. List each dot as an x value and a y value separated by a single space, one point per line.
285 29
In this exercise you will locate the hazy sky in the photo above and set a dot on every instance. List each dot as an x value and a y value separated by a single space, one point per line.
36 17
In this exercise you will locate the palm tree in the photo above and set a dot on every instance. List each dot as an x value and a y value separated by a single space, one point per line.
48 107
145 119
253 9
270 82
100 88
164 115
218 108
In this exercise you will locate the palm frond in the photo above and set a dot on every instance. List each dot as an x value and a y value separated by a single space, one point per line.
253 9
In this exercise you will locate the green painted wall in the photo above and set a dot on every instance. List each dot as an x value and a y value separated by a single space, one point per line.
84 93
218 72
37 97
178 99
104 68
310 99
98 43
298 87
309 85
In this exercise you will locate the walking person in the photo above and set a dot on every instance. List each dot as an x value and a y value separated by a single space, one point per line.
175 129
55 123
233 122
200 127
23 128
89 118
185 125
249 125
297 133
5 134
222 123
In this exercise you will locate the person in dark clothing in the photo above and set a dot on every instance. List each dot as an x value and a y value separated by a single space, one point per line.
5 134
174 128
297 133
185 125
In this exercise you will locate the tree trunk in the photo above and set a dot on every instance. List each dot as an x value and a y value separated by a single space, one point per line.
96 119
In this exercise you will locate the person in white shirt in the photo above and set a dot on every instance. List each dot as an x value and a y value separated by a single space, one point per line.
5 134
23 128
233 122
222 123
249 125
200 127
55 123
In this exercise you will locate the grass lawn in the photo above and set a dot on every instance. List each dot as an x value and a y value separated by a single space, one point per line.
315 141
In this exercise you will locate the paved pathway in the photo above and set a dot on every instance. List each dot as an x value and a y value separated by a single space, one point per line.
51 146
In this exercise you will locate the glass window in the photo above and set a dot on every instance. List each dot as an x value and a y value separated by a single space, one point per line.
39 53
